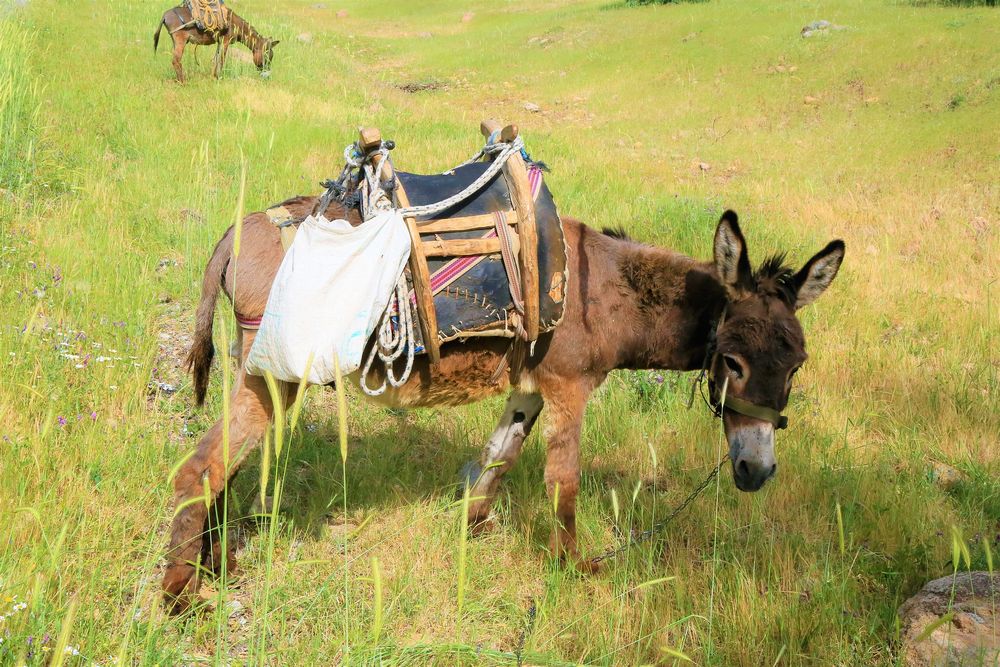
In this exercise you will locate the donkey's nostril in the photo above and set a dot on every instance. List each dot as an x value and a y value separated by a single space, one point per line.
742 468
774 469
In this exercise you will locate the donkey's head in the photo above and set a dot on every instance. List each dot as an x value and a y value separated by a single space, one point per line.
760 345
263 53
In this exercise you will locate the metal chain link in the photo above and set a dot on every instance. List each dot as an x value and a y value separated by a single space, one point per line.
648 534
525 633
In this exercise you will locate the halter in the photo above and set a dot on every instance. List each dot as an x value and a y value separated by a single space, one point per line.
731 403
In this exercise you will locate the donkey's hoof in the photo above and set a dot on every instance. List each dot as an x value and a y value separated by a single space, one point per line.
587 567
485 526
180 584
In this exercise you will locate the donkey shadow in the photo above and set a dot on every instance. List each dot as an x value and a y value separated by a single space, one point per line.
403 460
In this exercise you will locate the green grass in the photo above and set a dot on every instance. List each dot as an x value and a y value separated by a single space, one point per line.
116 182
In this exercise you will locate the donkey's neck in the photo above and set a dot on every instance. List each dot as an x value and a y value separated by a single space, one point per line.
244 33
675 301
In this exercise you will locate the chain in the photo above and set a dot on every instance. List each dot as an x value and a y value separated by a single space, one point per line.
525 632
648 534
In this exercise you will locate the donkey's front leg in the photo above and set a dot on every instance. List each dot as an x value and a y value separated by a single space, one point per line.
501 452
564 422
226 41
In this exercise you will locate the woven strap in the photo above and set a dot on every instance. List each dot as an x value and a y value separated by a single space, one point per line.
756 411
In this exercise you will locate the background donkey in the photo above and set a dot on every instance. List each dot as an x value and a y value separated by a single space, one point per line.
627 306
180 23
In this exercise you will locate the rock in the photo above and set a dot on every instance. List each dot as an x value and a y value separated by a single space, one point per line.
946 476
532 107
810 100
467 16
342 14
305 38
966 636
234 608
819 28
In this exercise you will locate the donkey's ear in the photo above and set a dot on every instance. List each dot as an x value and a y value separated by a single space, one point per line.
276 42
813 279
731 259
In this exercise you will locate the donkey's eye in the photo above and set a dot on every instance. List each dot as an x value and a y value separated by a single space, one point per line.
734 366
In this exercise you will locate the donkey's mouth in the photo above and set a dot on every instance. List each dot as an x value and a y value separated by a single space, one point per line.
750 478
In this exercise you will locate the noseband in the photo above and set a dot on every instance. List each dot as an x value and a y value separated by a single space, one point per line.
731 403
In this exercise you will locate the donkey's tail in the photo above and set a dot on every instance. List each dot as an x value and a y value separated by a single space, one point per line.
156 35
199 359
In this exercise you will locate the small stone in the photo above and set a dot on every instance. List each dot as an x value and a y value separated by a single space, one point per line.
305 38
704 166
946 476
467 16
809 99
342 14
234 608
532 107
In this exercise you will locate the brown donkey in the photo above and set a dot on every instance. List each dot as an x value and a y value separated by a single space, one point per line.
627 306
180 24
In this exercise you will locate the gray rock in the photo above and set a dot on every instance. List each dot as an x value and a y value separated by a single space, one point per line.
969 606
820 28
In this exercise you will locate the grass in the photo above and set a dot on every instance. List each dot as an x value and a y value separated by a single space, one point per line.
116 183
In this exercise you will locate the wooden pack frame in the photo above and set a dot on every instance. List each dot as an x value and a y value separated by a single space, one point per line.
515 171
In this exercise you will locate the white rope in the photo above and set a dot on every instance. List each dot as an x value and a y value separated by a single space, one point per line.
391 342
503 151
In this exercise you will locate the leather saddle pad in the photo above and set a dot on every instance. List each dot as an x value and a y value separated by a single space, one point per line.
472 294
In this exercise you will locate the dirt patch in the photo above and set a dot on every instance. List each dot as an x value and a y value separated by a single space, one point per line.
422 86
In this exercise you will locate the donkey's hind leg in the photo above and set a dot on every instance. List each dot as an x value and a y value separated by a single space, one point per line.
212 559
202 478
500 453
179 41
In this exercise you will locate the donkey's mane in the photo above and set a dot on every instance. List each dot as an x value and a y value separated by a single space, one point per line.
617 233
775 277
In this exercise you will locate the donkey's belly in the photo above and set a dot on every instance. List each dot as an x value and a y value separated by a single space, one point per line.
466 373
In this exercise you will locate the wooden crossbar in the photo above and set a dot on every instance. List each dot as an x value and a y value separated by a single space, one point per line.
516 173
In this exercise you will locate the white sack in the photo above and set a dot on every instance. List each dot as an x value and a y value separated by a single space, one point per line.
328 296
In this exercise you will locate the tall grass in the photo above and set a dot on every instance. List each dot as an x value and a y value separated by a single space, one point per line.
19 100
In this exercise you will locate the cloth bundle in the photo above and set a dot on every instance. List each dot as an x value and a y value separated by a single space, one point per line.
329 294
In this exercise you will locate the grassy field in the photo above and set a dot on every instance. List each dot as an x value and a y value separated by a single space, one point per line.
116 182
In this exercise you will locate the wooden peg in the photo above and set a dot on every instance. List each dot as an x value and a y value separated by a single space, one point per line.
508 134
489 126
369 139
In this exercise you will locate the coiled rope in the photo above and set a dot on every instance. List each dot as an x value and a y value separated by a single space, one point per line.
392 342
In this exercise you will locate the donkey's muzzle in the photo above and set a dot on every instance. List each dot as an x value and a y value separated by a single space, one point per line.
751 448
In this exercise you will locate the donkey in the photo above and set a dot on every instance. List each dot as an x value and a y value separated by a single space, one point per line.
628 306
179 22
